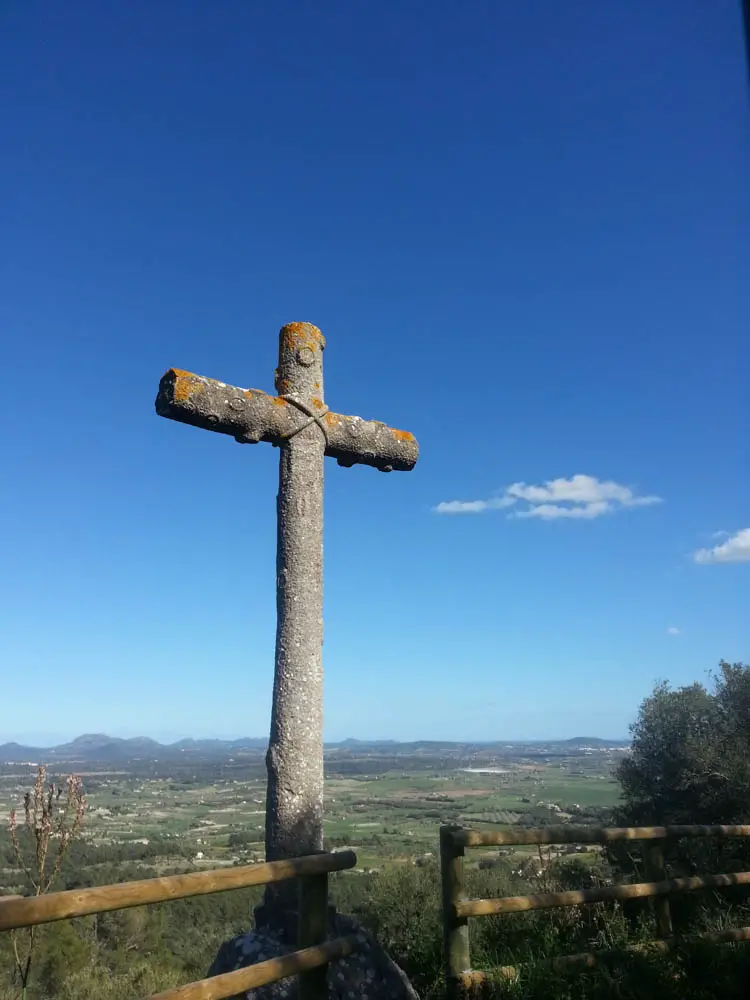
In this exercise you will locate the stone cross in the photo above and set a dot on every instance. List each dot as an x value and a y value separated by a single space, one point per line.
300 424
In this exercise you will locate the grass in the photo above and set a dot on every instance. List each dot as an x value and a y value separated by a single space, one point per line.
401 907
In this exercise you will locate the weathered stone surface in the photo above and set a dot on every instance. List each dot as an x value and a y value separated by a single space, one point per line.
368 974
250 415
294 797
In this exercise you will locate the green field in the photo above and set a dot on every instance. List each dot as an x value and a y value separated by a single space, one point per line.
211 813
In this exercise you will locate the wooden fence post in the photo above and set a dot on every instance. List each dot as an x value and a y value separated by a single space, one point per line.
655 872
457 953
313 930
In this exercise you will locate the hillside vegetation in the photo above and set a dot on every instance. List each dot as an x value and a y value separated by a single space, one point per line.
688 763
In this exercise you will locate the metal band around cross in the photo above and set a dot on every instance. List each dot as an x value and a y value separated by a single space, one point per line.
316 417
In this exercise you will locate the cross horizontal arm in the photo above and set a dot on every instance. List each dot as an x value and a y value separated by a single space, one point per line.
250 416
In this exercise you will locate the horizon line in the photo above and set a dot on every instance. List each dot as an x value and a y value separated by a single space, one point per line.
509 741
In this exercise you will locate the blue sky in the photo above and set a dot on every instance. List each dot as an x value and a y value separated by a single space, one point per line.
524 230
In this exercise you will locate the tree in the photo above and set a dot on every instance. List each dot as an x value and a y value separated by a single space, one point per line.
690 754
40 845
690 764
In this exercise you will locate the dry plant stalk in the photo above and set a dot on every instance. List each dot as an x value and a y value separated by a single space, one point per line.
46 819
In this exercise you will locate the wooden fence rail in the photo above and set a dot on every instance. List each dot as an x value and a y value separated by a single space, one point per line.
609 893
310 963
515 836
457 907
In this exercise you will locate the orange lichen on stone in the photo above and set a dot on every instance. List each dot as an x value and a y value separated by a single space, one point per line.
296 329
402 435
331 419
279 401
297 335
289 340
185 383
317 403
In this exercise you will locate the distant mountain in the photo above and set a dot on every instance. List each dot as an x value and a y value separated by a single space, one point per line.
99 747
352 742
15 752
593 741
206 746
454 746
98 743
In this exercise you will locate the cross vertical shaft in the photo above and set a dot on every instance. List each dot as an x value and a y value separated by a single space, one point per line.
294 803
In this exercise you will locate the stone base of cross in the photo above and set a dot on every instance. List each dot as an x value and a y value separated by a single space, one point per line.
300 424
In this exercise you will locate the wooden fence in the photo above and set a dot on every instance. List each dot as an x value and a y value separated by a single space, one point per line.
310 962
457 908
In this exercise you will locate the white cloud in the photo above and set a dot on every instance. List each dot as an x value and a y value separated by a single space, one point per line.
473 506
550 511
672 630
583 496
580 490
735 549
